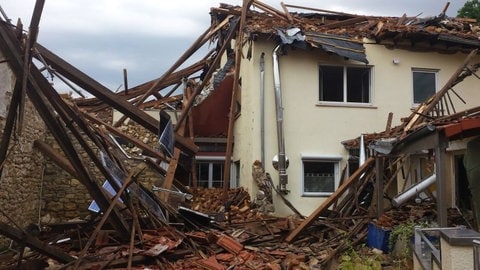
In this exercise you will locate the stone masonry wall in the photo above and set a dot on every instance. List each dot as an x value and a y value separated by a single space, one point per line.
65 198
21 179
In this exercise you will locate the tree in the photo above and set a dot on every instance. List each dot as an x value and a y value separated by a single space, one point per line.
471 9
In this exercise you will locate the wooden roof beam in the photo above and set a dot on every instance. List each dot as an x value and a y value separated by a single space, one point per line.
330 200
101 92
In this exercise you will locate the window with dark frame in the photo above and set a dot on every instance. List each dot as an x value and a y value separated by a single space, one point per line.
424 84
347 84
319 177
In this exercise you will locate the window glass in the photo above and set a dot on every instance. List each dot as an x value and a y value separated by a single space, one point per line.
210 173
424 85
319 176
345 84
217 174
331 83
202 174
358 84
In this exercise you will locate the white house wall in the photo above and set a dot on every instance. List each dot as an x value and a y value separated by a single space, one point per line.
316 130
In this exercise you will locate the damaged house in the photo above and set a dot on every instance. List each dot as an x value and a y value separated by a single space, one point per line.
318 78
325 119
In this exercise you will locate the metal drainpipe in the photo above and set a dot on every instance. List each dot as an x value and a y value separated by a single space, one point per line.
283 177
262 105
413 190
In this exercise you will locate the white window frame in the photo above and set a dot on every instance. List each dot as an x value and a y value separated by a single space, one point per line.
345 97
216 159
423 70
321 158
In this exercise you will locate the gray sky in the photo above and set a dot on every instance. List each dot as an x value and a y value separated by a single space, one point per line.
101 37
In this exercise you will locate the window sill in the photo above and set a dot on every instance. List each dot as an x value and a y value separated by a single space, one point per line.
322 194
346 105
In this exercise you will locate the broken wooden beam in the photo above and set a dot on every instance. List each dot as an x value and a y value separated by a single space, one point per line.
235 89
328 202
31 39
60 160
100 91
34 243
226 43
135 141
37 83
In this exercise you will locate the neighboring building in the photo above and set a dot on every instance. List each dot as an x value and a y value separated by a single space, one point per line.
342 81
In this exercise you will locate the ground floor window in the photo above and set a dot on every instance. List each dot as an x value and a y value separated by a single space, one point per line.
210 172
320 176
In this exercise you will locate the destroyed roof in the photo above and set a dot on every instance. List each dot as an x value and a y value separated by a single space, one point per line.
437 113
438 33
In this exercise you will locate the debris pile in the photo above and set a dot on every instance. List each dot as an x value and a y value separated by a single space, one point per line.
182 227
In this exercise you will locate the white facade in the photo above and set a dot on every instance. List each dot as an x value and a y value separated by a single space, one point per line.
314 129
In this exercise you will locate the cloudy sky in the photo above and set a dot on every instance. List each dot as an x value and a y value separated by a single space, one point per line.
102 37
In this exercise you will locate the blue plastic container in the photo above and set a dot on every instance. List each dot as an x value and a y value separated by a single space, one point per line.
377 237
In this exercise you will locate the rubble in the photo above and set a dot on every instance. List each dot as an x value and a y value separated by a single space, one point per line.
217 228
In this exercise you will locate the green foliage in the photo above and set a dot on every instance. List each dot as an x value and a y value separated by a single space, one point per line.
471 9
404 232
352 260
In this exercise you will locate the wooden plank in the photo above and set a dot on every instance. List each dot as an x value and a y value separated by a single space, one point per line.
172 166
328 202
388 127
113 203
236 85
31 39
345 22
37 83
101 92
430 105
60 160
131 139
213 65
287 13
196 45
9 124
34 243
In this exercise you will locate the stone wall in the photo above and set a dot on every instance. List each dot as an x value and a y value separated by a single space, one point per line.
21 180
65 198
33 189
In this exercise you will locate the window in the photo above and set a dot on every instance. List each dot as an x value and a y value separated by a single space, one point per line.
210 172
345 84
320 176
424 84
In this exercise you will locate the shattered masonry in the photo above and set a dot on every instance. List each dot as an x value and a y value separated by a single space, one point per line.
217 228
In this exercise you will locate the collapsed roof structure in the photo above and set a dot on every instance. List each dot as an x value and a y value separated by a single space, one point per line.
158 240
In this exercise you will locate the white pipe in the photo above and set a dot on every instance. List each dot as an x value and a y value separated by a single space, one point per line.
283 177
262 104
413 190
362 151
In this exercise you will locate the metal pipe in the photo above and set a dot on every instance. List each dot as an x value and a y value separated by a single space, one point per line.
283 177
476 254
413 190
262 105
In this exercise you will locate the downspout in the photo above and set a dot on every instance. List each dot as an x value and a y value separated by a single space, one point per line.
281 167
262 105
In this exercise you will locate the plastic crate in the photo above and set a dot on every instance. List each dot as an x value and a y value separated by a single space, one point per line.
377 237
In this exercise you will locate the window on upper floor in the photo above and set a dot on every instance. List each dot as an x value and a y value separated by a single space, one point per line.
424 84
320 176
347 84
